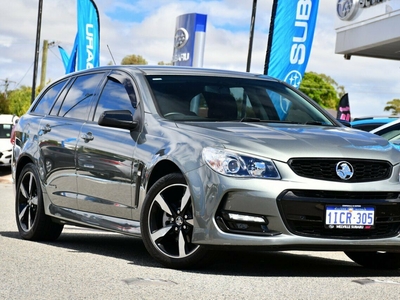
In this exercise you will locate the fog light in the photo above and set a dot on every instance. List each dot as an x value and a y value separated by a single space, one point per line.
242 226
245 218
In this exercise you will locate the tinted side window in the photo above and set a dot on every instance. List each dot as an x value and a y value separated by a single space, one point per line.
46 102
113 97
76 103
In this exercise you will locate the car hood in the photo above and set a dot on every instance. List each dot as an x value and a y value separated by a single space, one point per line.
285 141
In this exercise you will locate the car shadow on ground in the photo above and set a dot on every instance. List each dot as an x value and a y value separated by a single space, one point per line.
249 263
4 171
5 174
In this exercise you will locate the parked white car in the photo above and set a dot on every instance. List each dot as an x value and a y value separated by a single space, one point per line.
6 124
389 131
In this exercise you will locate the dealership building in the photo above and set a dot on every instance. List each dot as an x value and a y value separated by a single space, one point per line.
369 28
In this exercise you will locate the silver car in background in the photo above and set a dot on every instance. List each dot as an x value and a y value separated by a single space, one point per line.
192 160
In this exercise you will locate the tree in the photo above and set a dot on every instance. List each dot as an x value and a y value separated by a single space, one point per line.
133 60
394 106
4 104
20 100
322 89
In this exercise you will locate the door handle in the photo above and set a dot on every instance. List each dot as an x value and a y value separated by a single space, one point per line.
46 128
87 137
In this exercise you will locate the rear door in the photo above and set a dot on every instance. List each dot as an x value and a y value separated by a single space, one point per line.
59 131
105 154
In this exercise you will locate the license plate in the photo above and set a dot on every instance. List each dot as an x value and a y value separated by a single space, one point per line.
349 217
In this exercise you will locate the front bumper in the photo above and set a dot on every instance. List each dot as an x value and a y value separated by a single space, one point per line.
293 209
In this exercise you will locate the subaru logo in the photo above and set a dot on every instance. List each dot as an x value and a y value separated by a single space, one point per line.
347 9
294 78
344 170
181 38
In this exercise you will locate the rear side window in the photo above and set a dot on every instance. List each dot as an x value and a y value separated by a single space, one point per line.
77 101
46 101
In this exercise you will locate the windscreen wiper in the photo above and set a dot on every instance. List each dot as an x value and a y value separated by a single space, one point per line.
317 123
246 119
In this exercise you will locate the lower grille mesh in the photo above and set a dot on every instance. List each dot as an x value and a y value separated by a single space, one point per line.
304 213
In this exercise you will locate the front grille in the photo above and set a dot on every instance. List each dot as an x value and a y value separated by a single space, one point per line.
325 169
304 213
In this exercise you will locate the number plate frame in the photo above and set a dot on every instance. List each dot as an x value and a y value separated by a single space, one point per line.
349 217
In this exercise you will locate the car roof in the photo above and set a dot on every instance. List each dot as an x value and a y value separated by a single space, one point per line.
154 70
8 119
370 123
367 120
176 70
384 126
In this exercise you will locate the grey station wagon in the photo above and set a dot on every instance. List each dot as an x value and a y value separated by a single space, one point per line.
193 160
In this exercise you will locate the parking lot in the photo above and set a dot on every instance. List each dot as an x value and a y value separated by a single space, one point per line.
89 264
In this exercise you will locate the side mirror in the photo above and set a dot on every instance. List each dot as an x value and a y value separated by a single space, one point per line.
118 119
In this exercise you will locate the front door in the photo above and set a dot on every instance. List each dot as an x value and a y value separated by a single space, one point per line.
105 159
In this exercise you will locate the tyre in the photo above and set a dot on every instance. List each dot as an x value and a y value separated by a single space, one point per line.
376 259
167 224
33 224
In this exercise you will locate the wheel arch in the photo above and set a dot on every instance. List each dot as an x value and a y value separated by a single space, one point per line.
22 162
161 169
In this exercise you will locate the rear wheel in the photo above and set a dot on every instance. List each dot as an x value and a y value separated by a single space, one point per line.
376 259
32 222
167 224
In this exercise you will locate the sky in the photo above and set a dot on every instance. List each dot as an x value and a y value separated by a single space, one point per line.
147 27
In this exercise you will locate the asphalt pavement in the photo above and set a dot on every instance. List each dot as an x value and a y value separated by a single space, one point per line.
91 264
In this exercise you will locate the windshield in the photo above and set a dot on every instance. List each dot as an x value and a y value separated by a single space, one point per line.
206 98
5 131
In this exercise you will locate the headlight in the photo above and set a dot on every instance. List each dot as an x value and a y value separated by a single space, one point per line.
233 164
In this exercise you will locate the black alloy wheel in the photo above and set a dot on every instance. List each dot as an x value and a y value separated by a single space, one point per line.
167 224
33 223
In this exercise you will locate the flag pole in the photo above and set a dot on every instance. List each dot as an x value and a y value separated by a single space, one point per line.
35 67
253 19
270 36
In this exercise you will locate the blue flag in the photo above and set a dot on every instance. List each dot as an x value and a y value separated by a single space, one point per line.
86 51
64 56
69 61
290 39
88 36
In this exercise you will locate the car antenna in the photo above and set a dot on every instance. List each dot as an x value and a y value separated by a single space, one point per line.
111 55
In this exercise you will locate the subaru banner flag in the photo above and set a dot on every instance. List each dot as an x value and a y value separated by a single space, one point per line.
189 40
88 36
290 39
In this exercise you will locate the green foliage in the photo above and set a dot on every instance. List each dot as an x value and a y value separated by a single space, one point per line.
394 106
20 100
4 104
322 89
133 60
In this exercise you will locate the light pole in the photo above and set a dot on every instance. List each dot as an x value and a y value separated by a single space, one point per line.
46 46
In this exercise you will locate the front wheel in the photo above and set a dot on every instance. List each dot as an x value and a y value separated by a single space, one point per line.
33 223
167 224
376 259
